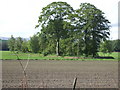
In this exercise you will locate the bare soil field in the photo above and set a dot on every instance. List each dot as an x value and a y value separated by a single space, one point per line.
61 74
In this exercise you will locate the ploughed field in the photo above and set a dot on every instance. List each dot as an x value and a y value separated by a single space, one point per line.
60 74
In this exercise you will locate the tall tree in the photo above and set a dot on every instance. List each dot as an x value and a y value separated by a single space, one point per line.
44 43
24 47
11 43
34 44
52 20
94 26
18 44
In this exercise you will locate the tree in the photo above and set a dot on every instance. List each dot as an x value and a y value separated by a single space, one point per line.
53 20
34 43
4 45
18 44
45 44
116 45
106 46
93 25
24 47
11 43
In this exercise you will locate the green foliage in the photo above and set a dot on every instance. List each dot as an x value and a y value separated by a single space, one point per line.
18 44
34 44
52 20
116 45
106 46
11 43
72 32
110 46
25 45
71 47
93 25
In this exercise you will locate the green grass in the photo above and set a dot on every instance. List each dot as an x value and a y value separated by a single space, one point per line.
6 55
113 54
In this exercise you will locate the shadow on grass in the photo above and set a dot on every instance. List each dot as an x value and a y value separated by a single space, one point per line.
105 57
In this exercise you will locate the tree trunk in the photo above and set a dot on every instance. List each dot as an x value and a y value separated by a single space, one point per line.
94 48
86 47
57 48
78 51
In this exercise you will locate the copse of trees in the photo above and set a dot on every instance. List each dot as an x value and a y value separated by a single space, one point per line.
22 45
17 44
85 27
107 46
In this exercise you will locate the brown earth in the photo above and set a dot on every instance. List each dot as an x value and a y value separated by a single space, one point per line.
61 74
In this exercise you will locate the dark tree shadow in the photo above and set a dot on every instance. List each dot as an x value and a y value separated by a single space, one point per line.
105 57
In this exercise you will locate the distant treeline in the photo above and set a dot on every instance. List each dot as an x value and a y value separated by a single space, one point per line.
4 45
34 45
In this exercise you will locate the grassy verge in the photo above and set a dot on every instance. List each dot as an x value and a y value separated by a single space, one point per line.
7 55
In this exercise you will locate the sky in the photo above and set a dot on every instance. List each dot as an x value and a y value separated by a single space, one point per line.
19 17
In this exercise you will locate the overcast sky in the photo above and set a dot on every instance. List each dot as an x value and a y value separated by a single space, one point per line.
19 17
